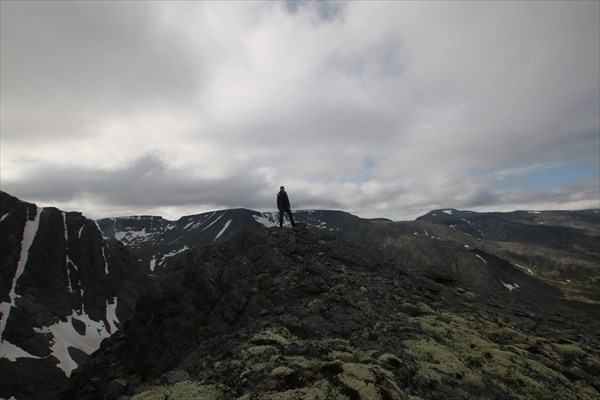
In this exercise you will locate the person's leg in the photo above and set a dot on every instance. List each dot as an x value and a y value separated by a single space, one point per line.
289 213
280 218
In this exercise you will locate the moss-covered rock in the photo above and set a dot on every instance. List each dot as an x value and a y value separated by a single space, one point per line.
182 391
480 353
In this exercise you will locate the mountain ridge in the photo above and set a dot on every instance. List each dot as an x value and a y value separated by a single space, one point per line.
157 241
508 226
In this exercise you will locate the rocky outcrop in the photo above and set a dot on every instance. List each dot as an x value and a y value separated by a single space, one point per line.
63 289
305 314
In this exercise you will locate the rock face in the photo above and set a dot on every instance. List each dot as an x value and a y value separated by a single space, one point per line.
63 289
157 242
308 314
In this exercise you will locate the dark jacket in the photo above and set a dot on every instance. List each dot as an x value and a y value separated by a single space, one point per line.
283 202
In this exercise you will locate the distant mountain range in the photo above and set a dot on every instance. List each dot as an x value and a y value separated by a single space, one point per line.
67 282
553 228
156 242
560 248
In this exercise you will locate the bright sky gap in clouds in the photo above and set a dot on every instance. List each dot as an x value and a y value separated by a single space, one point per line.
383 109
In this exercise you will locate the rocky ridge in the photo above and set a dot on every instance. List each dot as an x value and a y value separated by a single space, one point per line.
306 314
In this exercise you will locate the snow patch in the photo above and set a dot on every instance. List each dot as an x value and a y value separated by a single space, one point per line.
223 230
153 263
69 261
111 315
173 254
64 216
105 262
4 216
473 226
29 234
99 230
80 230
323 225
266 219
481 258
193 225
212 223
65 336
510 286
449 212
530 272
131 237
120 236
12 352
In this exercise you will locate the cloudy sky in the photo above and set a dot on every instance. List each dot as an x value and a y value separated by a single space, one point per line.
382 109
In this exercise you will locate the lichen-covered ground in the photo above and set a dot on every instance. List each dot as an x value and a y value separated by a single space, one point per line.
454 356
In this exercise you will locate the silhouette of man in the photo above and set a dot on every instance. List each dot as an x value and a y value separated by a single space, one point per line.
283 205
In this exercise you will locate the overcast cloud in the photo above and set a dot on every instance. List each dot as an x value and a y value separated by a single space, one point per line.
382 109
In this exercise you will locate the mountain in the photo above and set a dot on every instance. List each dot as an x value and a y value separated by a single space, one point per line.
562 248
156 241
406 310
63 289
551 228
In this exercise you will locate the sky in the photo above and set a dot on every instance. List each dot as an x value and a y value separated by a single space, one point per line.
382 109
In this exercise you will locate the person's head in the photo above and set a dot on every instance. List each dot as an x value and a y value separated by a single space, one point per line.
281 189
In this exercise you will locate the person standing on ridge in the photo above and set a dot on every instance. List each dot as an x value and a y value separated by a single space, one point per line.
283 205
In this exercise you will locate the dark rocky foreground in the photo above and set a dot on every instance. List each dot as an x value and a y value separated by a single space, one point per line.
282 314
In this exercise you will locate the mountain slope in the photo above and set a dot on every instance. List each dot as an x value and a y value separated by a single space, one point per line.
551 228
63 289
156 242
297 314
562 248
